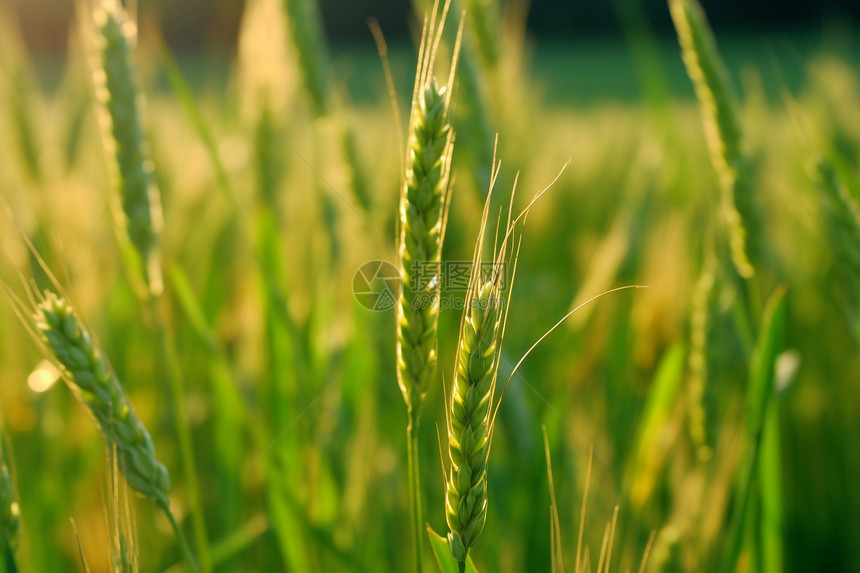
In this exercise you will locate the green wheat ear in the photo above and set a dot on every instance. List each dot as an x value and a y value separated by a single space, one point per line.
423 203
424 200
139 202
471 411
96 386
722 130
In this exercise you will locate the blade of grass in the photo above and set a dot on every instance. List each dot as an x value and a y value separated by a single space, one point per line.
770 491
556 545
282 513
759 394
649 455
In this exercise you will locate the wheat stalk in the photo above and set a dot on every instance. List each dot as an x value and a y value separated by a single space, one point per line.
306 31
469 414
722 130
485 23
314 62
138 212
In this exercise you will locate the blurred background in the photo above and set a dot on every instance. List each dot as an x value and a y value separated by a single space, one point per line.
198 25
204 33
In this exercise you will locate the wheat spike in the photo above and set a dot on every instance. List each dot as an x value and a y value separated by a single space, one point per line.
93 382
424 200
470 409
469 428
722 130
139 201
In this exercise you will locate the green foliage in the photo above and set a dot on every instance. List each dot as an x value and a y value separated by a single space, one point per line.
759 401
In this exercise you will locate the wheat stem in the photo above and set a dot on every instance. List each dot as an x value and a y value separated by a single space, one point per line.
184 548
173 372
415 508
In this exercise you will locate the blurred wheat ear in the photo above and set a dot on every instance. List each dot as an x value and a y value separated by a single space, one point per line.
88 374
138 214
722 130
137 204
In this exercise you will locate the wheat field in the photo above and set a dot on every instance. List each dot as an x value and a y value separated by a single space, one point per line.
202 259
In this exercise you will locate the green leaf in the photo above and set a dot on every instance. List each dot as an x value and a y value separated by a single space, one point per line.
648 458
759 393
187 299
446 561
